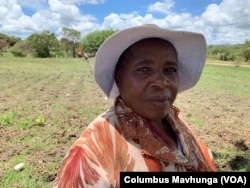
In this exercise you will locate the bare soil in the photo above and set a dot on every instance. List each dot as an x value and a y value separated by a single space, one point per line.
63 103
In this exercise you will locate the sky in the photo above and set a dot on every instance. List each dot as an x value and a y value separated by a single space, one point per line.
220 21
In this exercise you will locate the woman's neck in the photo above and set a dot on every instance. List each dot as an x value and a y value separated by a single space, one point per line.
163 129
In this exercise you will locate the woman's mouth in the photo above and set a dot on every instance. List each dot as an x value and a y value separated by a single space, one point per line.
159 100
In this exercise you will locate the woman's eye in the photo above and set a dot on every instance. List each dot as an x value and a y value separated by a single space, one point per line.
144 69
170 70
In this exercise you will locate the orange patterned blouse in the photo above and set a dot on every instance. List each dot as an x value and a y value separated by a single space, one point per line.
121 141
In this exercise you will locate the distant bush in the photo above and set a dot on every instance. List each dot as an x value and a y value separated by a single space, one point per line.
17 52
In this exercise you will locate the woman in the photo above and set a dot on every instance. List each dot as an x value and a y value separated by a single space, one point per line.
143 68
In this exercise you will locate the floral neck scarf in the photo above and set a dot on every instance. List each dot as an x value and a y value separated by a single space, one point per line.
156 144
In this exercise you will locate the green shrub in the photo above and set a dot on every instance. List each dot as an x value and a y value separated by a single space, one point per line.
17 52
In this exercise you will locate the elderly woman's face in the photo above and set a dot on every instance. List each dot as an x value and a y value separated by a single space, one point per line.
148 78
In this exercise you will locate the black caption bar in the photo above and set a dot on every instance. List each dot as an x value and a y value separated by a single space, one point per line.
181 179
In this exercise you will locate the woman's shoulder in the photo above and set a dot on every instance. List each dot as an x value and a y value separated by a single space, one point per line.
102 122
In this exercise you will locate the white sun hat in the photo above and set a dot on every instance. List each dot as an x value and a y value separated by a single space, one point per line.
191 49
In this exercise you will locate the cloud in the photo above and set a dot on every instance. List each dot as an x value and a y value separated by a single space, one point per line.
221 23
55 16
162 7
10 11
66 13
229 21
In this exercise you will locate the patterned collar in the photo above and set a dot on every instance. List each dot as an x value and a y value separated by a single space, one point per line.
135 128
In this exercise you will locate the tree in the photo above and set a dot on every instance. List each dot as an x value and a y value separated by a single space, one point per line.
3 43
223 52
43 43
246 51
6 41
21 49
72 36
67 46
92 41
13 40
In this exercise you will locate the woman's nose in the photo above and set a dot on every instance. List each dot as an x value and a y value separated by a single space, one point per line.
160 80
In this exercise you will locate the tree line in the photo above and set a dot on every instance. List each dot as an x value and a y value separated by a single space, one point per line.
234 53
46 44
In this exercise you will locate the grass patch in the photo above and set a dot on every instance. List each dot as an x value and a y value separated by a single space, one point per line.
45 104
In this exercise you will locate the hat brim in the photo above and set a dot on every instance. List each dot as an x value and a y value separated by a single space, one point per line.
191 48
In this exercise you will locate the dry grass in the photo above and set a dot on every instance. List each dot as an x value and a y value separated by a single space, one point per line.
45 104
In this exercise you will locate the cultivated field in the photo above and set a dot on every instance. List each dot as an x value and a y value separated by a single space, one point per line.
45 104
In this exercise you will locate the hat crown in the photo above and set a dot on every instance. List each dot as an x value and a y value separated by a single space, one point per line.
190 46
